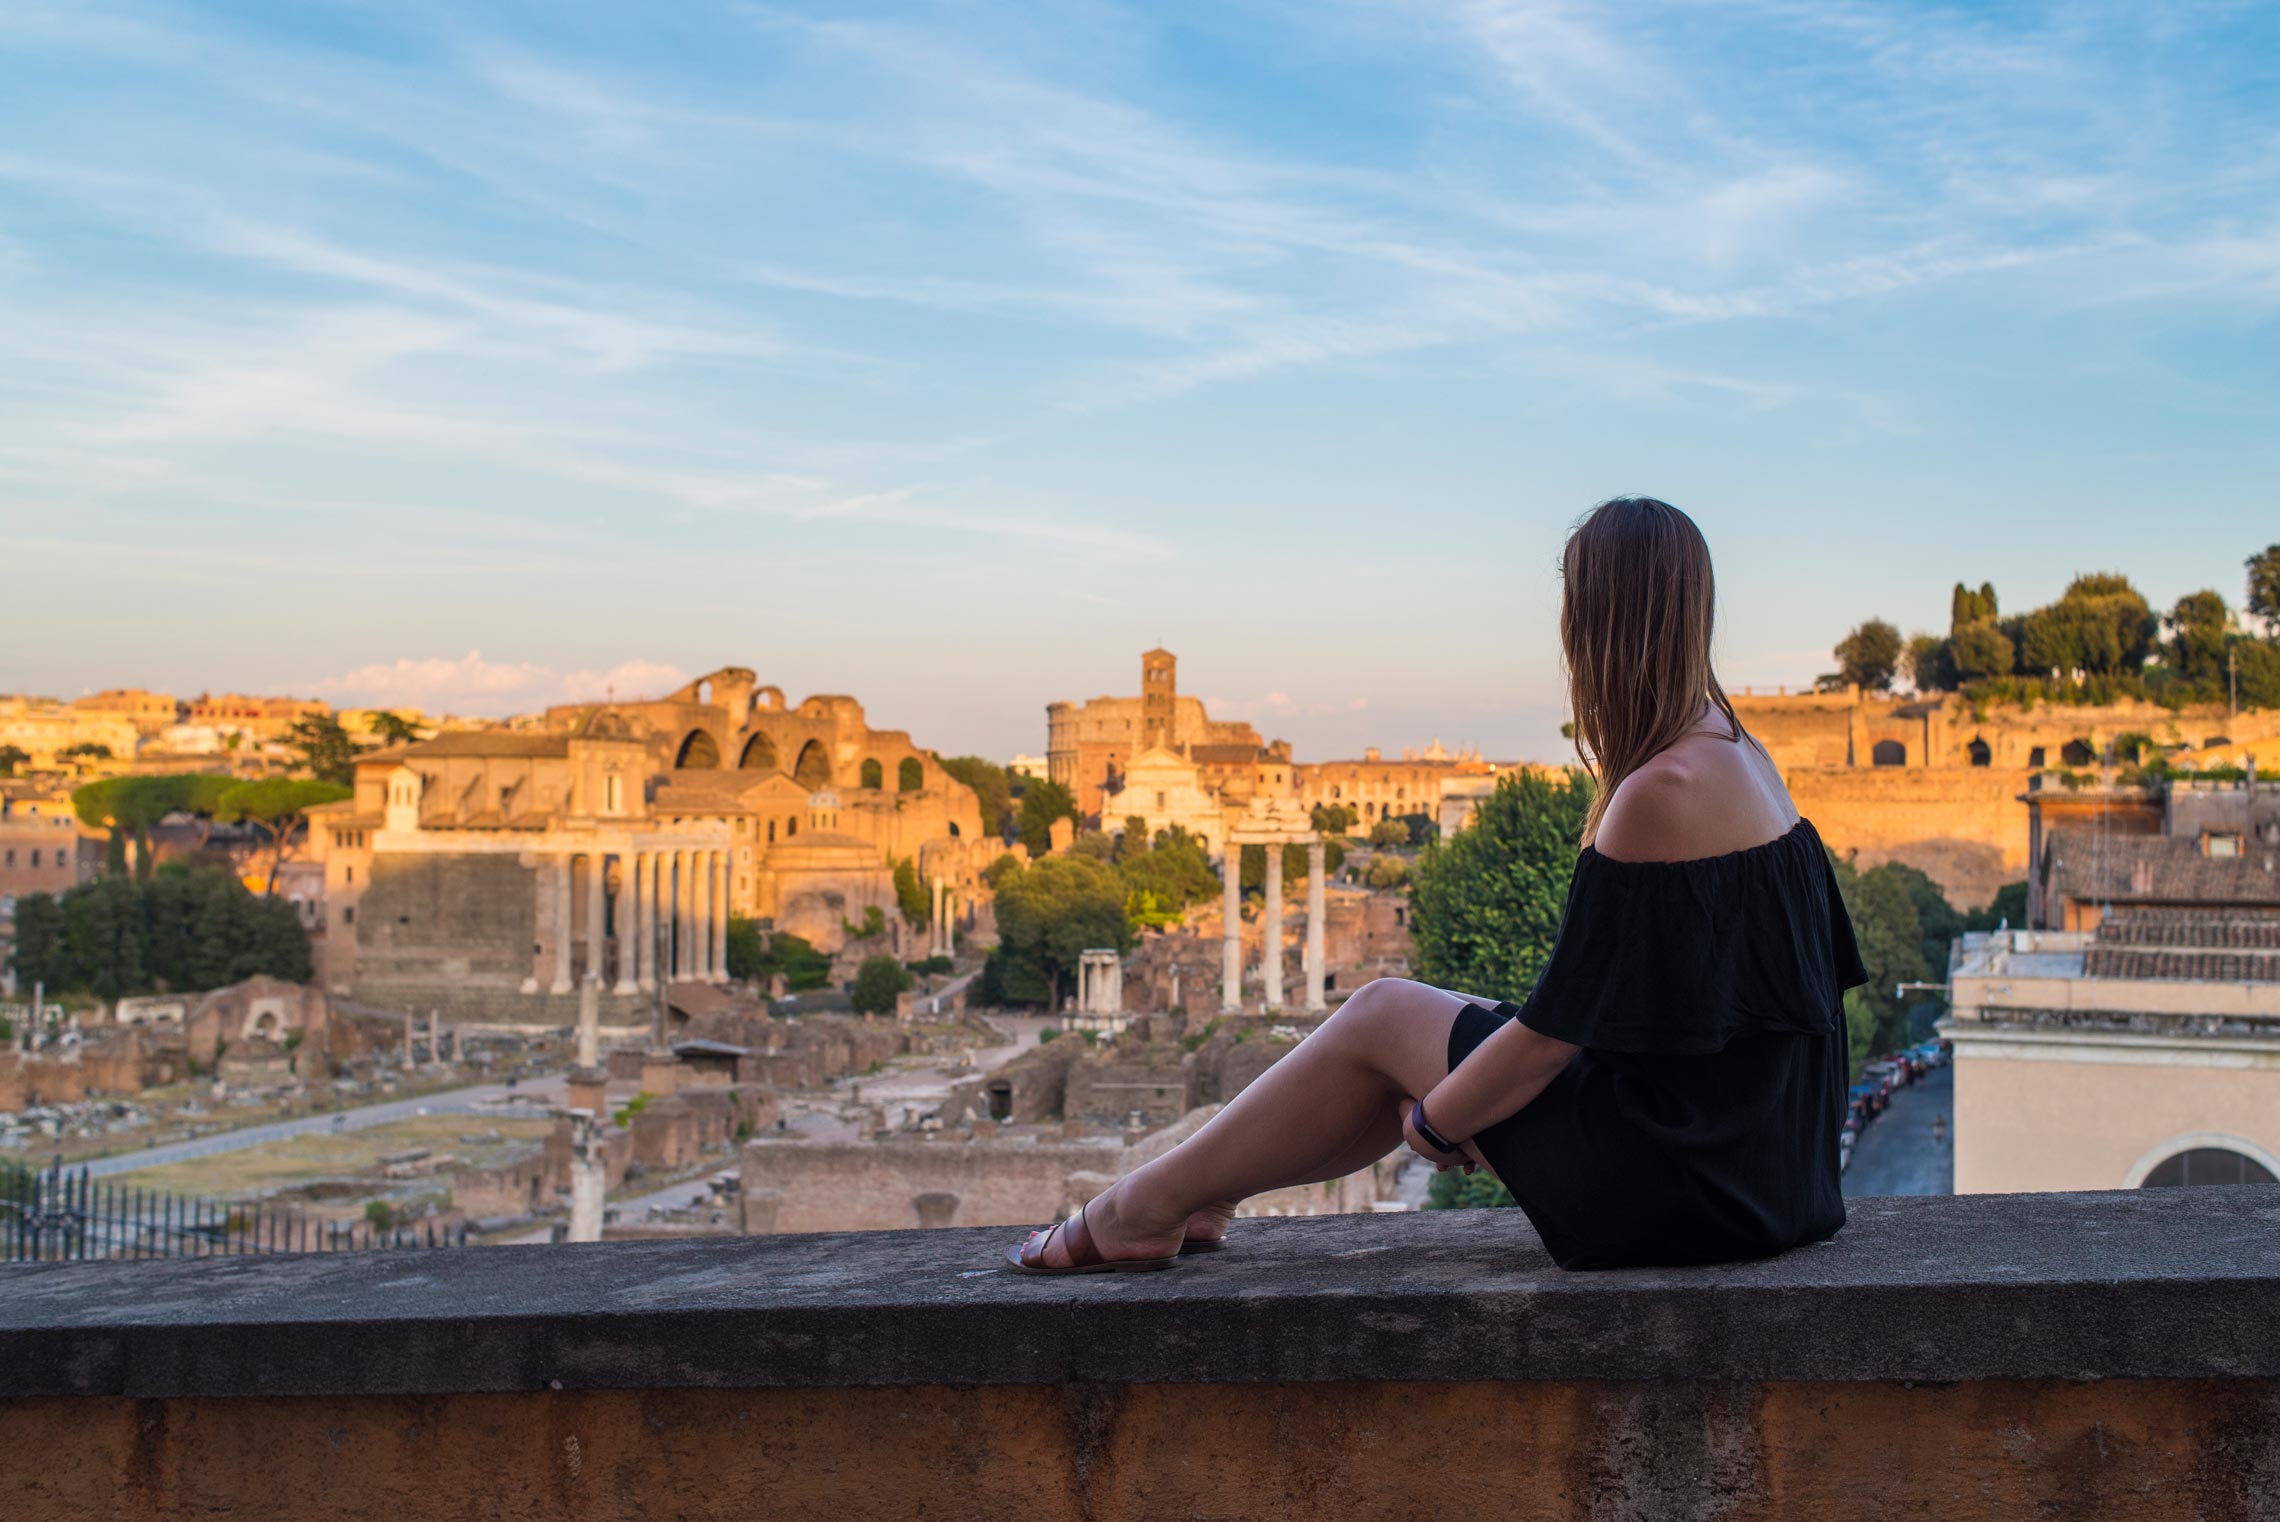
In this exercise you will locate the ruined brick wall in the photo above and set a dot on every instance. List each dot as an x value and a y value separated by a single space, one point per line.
455 934
1964 827
881 1186
1113 1083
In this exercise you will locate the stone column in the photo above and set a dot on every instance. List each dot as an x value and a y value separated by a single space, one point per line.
721 882
700 914
407 1041
589 1024
628 936
1231 942
683 938
645 920
597 902
1271 942
588 1179
1084 983
1317 933
558 873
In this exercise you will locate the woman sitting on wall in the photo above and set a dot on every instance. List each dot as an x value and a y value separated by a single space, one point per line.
1672 1089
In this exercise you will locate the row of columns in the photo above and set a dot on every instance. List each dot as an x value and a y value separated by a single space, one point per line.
686 890
1231 911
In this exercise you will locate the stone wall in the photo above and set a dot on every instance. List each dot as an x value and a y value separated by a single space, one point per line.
799 1186
455 934
2104 1356
1963 827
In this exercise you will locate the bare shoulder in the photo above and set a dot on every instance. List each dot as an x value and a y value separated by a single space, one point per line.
1654 815
1704 796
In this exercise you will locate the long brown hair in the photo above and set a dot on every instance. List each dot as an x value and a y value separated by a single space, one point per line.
1635 623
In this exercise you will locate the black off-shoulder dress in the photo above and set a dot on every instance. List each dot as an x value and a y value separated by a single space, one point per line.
1698 1124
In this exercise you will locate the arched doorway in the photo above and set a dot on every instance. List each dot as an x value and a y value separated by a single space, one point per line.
910 776
2206 1165
759 754
1982 754
2077 753
699 751
1889 753
813 769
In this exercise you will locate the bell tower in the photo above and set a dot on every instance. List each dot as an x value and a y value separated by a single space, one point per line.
1159 694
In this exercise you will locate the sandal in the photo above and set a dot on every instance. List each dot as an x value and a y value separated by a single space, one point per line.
1190 1246
1017 1254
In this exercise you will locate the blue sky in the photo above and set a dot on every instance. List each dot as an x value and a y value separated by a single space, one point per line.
951 355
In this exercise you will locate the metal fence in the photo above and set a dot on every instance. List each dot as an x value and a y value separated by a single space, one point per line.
57 1214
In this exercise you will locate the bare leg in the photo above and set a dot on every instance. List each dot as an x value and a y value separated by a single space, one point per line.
1328 1108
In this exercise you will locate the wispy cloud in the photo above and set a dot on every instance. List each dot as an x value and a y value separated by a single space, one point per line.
479 688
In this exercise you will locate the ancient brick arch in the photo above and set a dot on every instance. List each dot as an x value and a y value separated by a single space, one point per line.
874 775
759 753
910 776
1889 753
699 750
813 769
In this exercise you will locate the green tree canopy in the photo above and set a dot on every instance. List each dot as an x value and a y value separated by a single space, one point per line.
185 929
1930 663
1046 914
1042 802
394 729
1968 607
992 788
1982 649
1870 655
1174 870
11 757
2264 586
910 894
2101 626
279 807
1335 818
130 807
2197 628
1389 833
1486 903
879 981
1891 938
327 751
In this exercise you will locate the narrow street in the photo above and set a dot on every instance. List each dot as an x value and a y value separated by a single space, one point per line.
1900 1153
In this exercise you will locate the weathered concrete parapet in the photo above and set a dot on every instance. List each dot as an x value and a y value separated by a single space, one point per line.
2116 1355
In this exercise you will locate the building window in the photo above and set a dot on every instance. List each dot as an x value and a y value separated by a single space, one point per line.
36 855
2035 757
2207 1165
2211 845
1889 753
1159 798
610 794
1981 753
348 874
771 832
348 914
11 856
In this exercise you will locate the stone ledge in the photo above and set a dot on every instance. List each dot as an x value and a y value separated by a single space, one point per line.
2154 1284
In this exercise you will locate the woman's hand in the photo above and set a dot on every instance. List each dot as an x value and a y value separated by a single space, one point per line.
1442 1161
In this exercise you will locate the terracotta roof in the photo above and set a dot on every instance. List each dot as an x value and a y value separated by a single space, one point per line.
484 742
2090 866
2207 945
